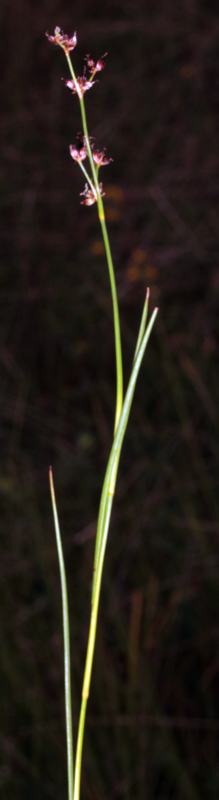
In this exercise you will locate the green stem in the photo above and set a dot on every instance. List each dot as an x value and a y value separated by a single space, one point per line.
102 510
118 349
67 660
86 175
119 369
121 418
103 527
89 662
78 757
142 323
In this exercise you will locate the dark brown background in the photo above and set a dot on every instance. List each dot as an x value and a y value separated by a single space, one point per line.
153 715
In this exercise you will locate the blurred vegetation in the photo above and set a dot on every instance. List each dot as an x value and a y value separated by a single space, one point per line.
153 717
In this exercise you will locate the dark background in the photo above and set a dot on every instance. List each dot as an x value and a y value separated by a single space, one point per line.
153 715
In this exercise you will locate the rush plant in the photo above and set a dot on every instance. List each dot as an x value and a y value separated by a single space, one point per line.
94 193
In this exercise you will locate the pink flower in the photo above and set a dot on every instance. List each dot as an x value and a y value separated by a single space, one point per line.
90 195
100 158
79 87
93 68
78 155
63 40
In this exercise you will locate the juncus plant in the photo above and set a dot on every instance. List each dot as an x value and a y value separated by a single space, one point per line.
94 193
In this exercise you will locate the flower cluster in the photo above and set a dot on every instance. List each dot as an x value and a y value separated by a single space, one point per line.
100 158
94 68
79 86
80 153
82 83
90 195
63 40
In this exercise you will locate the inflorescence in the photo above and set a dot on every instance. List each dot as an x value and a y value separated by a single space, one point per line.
79 86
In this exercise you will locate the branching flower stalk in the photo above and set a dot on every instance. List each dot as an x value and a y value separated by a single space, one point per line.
93 193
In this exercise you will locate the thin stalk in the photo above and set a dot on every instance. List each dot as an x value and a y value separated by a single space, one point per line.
119 369
102 509
66 637
121 419
112 466
89 664
86 175
142 323
103 524
78 757
118 349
